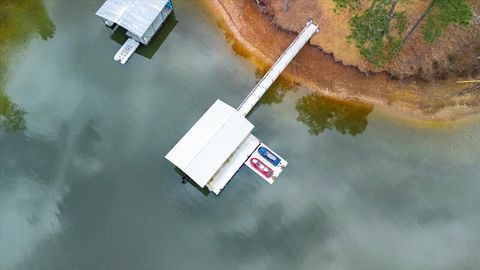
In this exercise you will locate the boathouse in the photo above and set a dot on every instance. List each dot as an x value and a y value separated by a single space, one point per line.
222 134
220 142
140 18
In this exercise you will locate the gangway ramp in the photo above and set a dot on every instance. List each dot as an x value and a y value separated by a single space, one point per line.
277 68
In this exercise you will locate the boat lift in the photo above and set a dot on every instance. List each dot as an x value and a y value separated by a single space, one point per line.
220 142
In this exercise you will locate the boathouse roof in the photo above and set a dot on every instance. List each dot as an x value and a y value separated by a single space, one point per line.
134 15
210 142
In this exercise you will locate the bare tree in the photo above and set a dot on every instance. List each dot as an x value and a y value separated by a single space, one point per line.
419 21
392 10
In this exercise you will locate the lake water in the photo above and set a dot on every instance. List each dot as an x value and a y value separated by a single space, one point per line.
85 184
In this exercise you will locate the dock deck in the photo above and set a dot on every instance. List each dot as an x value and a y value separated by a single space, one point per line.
126 51
231 166
277 170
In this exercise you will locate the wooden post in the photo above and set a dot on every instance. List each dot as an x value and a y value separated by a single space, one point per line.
285 5
473 81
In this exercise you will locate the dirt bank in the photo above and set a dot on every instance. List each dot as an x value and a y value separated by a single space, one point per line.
453 55
254 36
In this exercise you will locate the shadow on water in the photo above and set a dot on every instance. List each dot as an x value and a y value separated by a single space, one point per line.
20 21
203 190
320 113
148 51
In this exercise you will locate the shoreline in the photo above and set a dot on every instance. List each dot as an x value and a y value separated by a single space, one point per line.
251 35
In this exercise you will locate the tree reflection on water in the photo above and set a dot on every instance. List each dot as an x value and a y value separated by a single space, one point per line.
320 113
11 116
20 21
276 92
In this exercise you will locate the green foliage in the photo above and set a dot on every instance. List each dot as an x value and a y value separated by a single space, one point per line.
444 13
350 4
379 34
378 37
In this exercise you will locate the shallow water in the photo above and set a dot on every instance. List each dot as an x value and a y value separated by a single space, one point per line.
85 184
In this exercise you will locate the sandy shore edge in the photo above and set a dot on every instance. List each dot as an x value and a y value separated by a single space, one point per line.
408 112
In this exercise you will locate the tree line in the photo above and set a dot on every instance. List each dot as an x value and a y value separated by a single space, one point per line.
380 30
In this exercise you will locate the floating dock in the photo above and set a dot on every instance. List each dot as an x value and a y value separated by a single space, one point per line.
126 51
220 142
231 166
276 170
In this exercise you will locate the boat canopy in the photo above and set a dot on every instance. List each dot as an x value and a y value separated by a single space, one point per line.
210 142
134 15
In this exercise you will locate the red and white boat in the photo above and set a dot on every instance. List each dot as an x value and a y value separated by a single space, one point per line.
261 167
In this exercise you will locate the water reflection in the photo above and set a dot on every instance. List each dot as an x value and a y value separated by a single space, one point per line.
320 113
280 86
278 236
29 196
20 21
277 90
11 115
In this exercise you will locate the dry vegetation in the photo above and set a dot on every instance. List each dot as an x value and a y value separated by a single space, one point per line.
256 36
455 54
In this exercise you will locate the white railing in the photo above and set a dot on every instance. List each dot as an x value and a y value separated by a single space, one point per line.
277 68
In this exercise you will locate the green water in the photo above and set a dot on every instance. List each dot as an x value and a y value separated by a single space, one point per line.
84 184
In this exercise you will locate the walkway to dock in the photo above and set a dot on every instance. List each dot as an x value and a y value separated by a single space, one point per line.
277 68
220 142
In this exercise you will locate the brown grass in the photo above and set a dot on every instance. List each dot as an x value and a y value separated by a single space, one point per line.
255 37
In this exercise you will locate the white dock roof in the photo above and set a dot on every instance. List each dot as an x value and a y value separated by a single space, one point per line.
210 142
134 15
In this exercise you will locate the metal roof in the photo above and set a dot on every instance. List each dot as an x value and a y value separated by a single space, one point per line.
134 15
210 142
